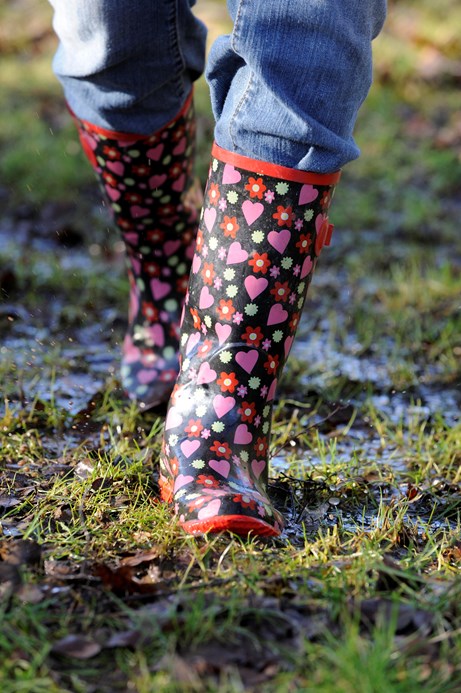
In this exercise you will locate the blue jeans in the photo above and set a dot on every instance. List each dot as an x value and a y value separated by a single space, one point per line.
286 85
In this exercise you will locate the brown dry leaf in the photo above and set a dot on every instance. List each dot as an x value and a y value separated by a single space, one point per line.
30 594
102 483
142 557
84 468
392 577
311 622
59 569
8 501
408 619
126 638
83 418
123 580
255 663
20 552
10 580
77 646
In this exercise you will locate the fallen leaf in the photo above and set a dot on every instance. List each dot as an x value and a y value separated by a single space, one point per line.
407 618
77 646
144 557
30 594
20 552
10 580
123 580
9 501
126 638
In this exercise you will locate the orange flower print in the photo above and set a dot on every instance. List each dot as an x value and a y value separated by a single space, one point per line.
178 133
141 170
199 241
175 170
152 269
194 428
304 243
255 187
166 210
252 336
261 446
204 348
281 291
208 273
227 382
196 318
207 480
221 449
247 411
111 152
326 200
260 262
155 236
272 364
294 322
149 311
198 502
182 284
174 466
245 501
230 226
110 179
284 216
125 224
213 194
225 310
133 197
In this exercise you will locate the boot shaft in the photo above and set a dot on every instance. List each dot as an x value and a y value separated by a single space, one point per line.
261 232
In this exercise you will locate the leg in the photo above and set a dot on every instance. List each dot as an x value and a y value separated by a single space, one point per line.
124 65
287 84
127 70
263 227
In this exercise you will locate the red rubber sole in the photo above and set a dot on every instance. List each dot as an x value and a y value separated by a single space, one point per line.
235 524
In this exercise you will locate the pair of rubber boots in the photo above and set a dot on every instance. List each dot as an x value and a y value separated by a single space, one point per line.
213 313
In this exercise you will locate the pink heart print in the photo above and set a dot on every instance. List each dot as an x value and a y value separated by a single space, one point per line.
230 175
247 359
236 254
209 217
223 405
242 435
255 285
252 211
220 466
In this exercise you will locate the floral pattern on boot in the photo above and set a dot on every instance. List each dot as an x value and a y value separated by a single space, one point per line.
261 232
148 184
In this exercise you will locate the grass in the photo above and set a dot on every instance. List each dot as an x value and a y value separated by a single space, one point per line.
99 590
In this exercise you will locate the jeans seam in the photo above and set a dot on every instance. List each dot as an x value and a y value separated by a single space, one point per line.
178 57
245 95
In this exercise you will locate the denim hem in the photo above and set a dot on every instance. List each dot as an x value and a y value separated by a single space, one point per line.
274 170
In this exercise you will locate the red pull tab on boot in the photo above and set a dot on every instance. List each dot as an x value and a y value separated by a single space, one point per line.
328 234
323 236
